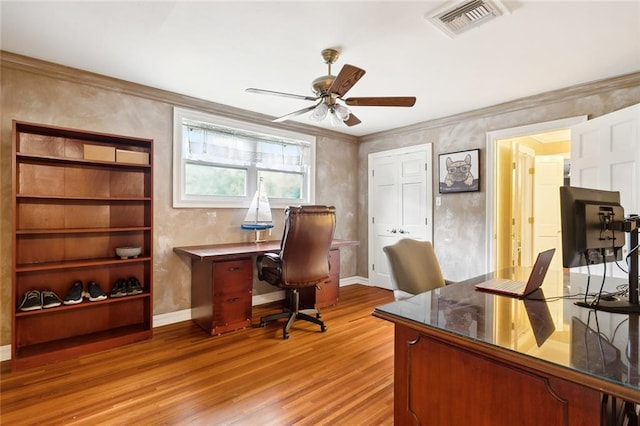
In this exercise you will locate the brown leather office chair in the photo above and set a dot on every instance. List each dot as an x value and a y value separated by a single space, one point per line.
303 261
414 268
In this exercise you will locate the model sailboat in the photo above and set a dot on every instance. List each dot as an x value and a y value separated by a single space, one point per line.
258 216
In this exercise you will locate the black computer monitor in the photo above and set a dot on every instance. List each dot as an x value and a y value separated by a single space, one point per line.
593 231
588 229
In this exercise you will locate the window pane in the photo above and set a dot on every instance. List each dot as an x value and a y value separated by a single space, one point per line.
282 156
216 181
282 185
218 162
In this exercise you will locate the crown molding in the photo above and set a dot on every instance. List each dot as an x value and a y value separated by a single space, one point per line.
28 64
626 81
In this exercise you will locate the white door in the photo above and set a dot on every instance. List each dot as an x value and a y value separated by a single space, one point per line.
400 203
549 176
522 206
605 154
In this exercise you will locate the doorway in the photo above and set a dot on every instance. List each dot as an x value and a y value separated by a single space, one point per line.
525 165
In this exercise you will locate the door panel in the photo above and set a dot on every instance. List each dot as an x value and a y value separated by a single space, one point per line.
549 177
413 196
605 154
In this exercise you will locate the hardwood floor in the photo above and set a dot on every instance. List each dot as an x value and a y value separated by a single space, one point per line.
251 376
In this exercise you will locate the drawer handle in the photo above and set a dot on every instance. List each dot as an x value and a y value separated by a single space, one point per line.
233 300
233 268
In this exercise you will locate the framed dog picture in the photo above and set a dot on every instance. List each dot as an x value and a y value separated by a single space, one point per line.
459 171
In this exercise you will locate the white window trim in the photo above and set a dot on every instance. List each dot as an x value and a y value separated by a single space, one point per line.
181 200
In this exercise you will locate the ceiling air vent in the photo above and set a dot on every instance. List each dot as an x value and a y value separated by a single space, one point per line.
458 17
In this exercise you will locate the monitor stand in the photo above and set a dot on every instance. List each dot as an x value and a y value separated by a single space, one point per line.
630 306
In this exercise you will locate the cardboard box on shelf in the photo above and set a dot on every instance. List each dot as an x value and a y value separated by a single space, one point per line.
134 157
99 152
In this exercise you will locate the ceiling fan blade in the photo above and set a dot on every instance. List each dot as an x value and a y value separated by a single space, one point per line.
352 120
407 101
286 95
294 114
347 77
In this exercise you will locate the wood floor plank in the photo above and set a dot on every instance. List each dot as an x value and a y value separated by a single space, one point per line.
247 377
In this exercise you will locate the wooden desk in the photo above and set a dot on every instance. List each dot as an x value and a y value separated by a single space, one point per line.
468 357
222 283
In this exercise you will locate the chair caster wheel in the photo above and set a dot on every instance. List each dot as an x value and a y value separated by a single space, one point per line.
262 324
285 336
318 315
323 329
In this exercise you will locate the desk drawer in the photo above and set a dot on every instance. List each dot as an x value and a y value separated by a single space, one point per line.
334 262
329 291
232 276
231 312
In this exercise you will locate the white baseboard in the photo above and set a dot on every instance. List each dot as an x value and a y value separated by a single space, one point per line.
171 318
354 280
5 353
185 314
261 299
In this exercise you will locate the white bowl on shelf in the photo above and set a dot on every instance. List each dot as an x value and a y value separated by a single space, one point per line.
127 252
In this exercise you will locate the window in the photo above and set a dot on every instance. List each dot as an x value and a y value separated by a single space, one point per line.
218 162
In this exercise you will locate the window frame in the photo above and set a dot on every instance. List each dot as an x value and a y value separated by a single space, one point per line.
182 200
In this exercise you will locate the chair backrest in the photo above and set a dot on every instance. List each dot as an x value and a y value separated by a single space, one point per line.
414 267
308 233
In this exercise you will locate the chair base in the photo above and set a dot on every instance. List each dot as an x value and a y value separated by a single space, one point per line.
292 313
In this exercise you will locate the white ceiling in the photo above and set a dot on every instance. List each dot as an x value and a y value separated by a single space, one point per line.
214 50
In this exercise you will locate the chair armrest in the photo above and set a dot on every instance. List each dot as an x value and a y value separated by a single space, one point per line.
268 261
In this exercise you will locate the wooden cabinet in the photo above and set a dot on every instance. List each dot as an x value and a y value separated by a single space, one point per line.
221 294
442 378
327 292
76 196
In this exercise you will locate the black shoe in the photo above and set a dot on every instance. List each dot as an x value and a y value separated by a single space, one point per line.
94 292
119 289
31 301
75 294
133 286
50 299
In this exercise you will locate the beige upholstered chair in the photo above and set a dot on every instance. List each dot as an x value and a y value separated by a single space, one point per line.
303 261
414 268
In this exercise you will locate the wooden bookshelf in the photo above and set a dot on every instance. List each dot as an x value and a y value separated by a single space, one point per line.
73 202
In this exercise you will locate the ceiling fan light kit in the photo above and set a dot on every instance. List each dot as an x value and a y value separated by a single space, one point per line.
330 89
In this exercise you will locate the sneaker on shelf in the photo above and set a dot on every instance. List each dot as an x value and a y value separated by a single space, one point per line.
133 286
31 301
94 292
119 289
75 294
50 299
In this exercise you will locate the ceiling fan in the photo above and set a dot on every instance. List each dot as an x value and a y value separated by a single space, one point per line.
330 89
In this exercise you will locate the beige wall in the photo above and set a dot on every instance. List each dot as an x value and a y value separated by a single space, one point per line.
459 234
44 93
50 94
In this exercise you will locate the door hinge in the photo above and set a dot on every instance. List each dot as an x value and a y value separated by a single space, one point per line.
373 267
530 220
426 168
373 220
373 173
426 220
513 165
532 170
